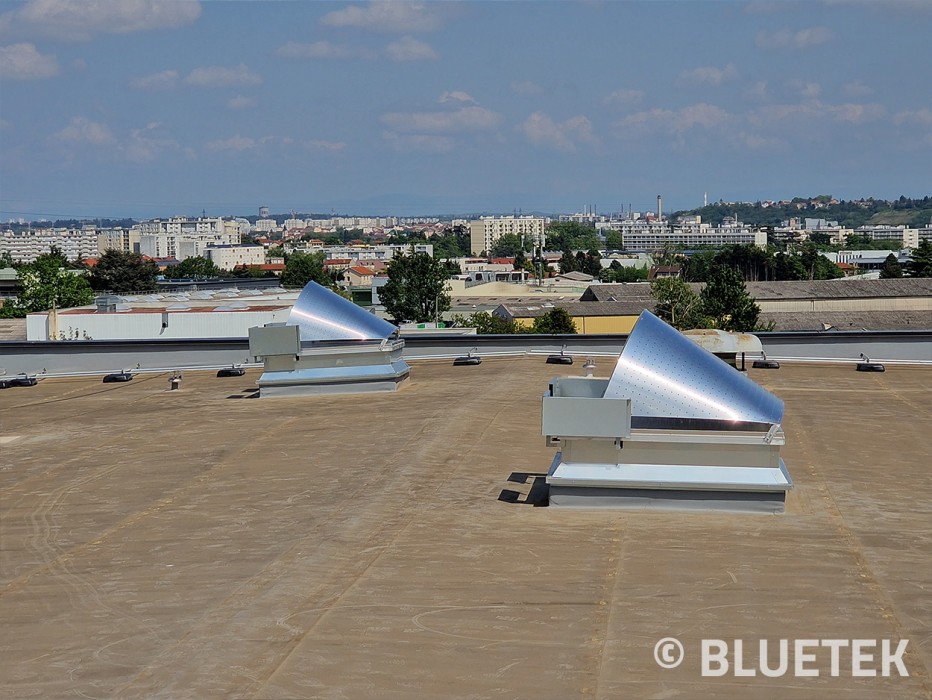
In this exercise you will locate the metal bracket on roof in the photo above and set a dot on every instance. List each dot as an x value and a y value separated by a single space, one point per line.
772 433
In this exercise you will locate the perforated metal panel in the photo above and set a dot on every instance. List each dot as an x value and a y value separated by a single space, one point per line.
324 315
667 375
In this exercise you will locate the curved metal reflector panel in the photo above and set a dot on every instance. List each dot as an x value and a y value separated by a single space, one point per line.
665 374
324 315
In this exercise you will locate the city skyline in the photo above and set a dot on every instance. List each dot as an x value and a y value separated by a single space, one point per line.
144 108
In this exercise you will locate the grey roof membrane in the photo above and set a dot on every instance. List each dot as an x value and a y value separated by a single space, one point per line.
325 315
666 375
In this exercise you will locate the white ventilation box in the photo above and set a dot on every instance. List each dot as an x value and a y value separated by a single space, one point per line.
673 427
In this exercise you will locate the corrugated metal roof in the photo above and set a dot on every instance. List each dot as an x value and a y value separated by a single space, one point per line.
761 291
577 308
848 320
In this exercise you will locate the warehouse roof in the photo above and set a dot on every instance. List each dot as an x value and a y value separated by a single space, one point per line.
848 320
167 543
575 308
761 291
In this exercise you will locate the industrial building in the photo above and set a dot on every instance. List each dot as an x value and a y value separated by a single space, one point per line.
221 313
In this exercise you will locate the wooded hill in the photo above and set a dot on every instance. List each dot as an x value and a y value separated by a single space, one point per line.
850 214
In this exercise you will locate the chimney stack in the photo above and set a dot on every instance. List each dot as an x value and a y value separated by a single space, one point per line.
659 208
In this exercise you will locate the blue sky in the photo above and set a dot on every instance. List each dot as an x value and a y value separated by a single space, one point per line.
148 108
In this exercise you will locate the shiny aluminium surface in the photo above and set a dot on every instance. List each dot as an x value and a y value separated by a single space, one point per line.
669 376
325 315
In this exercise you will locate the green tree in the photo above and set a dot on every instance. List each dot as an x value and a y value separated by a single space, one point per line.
616 272
6 260
487 323
121 272
570 235
614 241
920 260
816 265
453 242
677 303
48 284
520 260
891 267
726 302
416 288
194 267
788 267
568 262
302 268
591 265
508 245
554 322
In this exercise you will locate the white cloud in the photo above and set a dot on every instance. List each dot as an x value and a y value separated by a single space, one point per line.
759 90
920 116
220 76
788 39
165 80
857 113
708 75
473 118
526 87
394 16
322 49
675 121
811 90
426 143
145 145
24 62
756 142
317 145
857 89
813 110
541 130
410 49
456 96
241 102
83 131
623 98
80 19
238 143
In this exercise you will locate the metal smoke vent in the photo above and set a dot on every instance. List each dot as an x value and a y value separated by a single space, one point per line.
323 315
666 375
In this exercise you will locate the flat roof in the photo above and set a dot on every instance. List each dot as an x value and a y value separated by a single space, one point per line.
843 288
202 543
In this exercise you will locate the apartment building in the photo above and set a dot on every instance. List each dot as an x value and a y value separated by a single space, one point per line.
227 257
182 238
641 234
484 231
899 236
125 240
26 246
368 252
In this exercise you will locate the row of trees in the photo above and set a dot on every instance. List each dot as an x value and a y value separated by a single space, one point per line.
851 214
723 303
761 264
554 322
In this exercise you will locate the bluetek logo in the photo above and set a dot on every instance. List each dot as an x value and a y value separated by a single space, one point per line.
802 658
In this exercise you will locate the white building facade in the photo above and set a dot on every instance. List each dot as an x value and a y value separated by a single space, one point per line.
26 246
227 257
182 238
